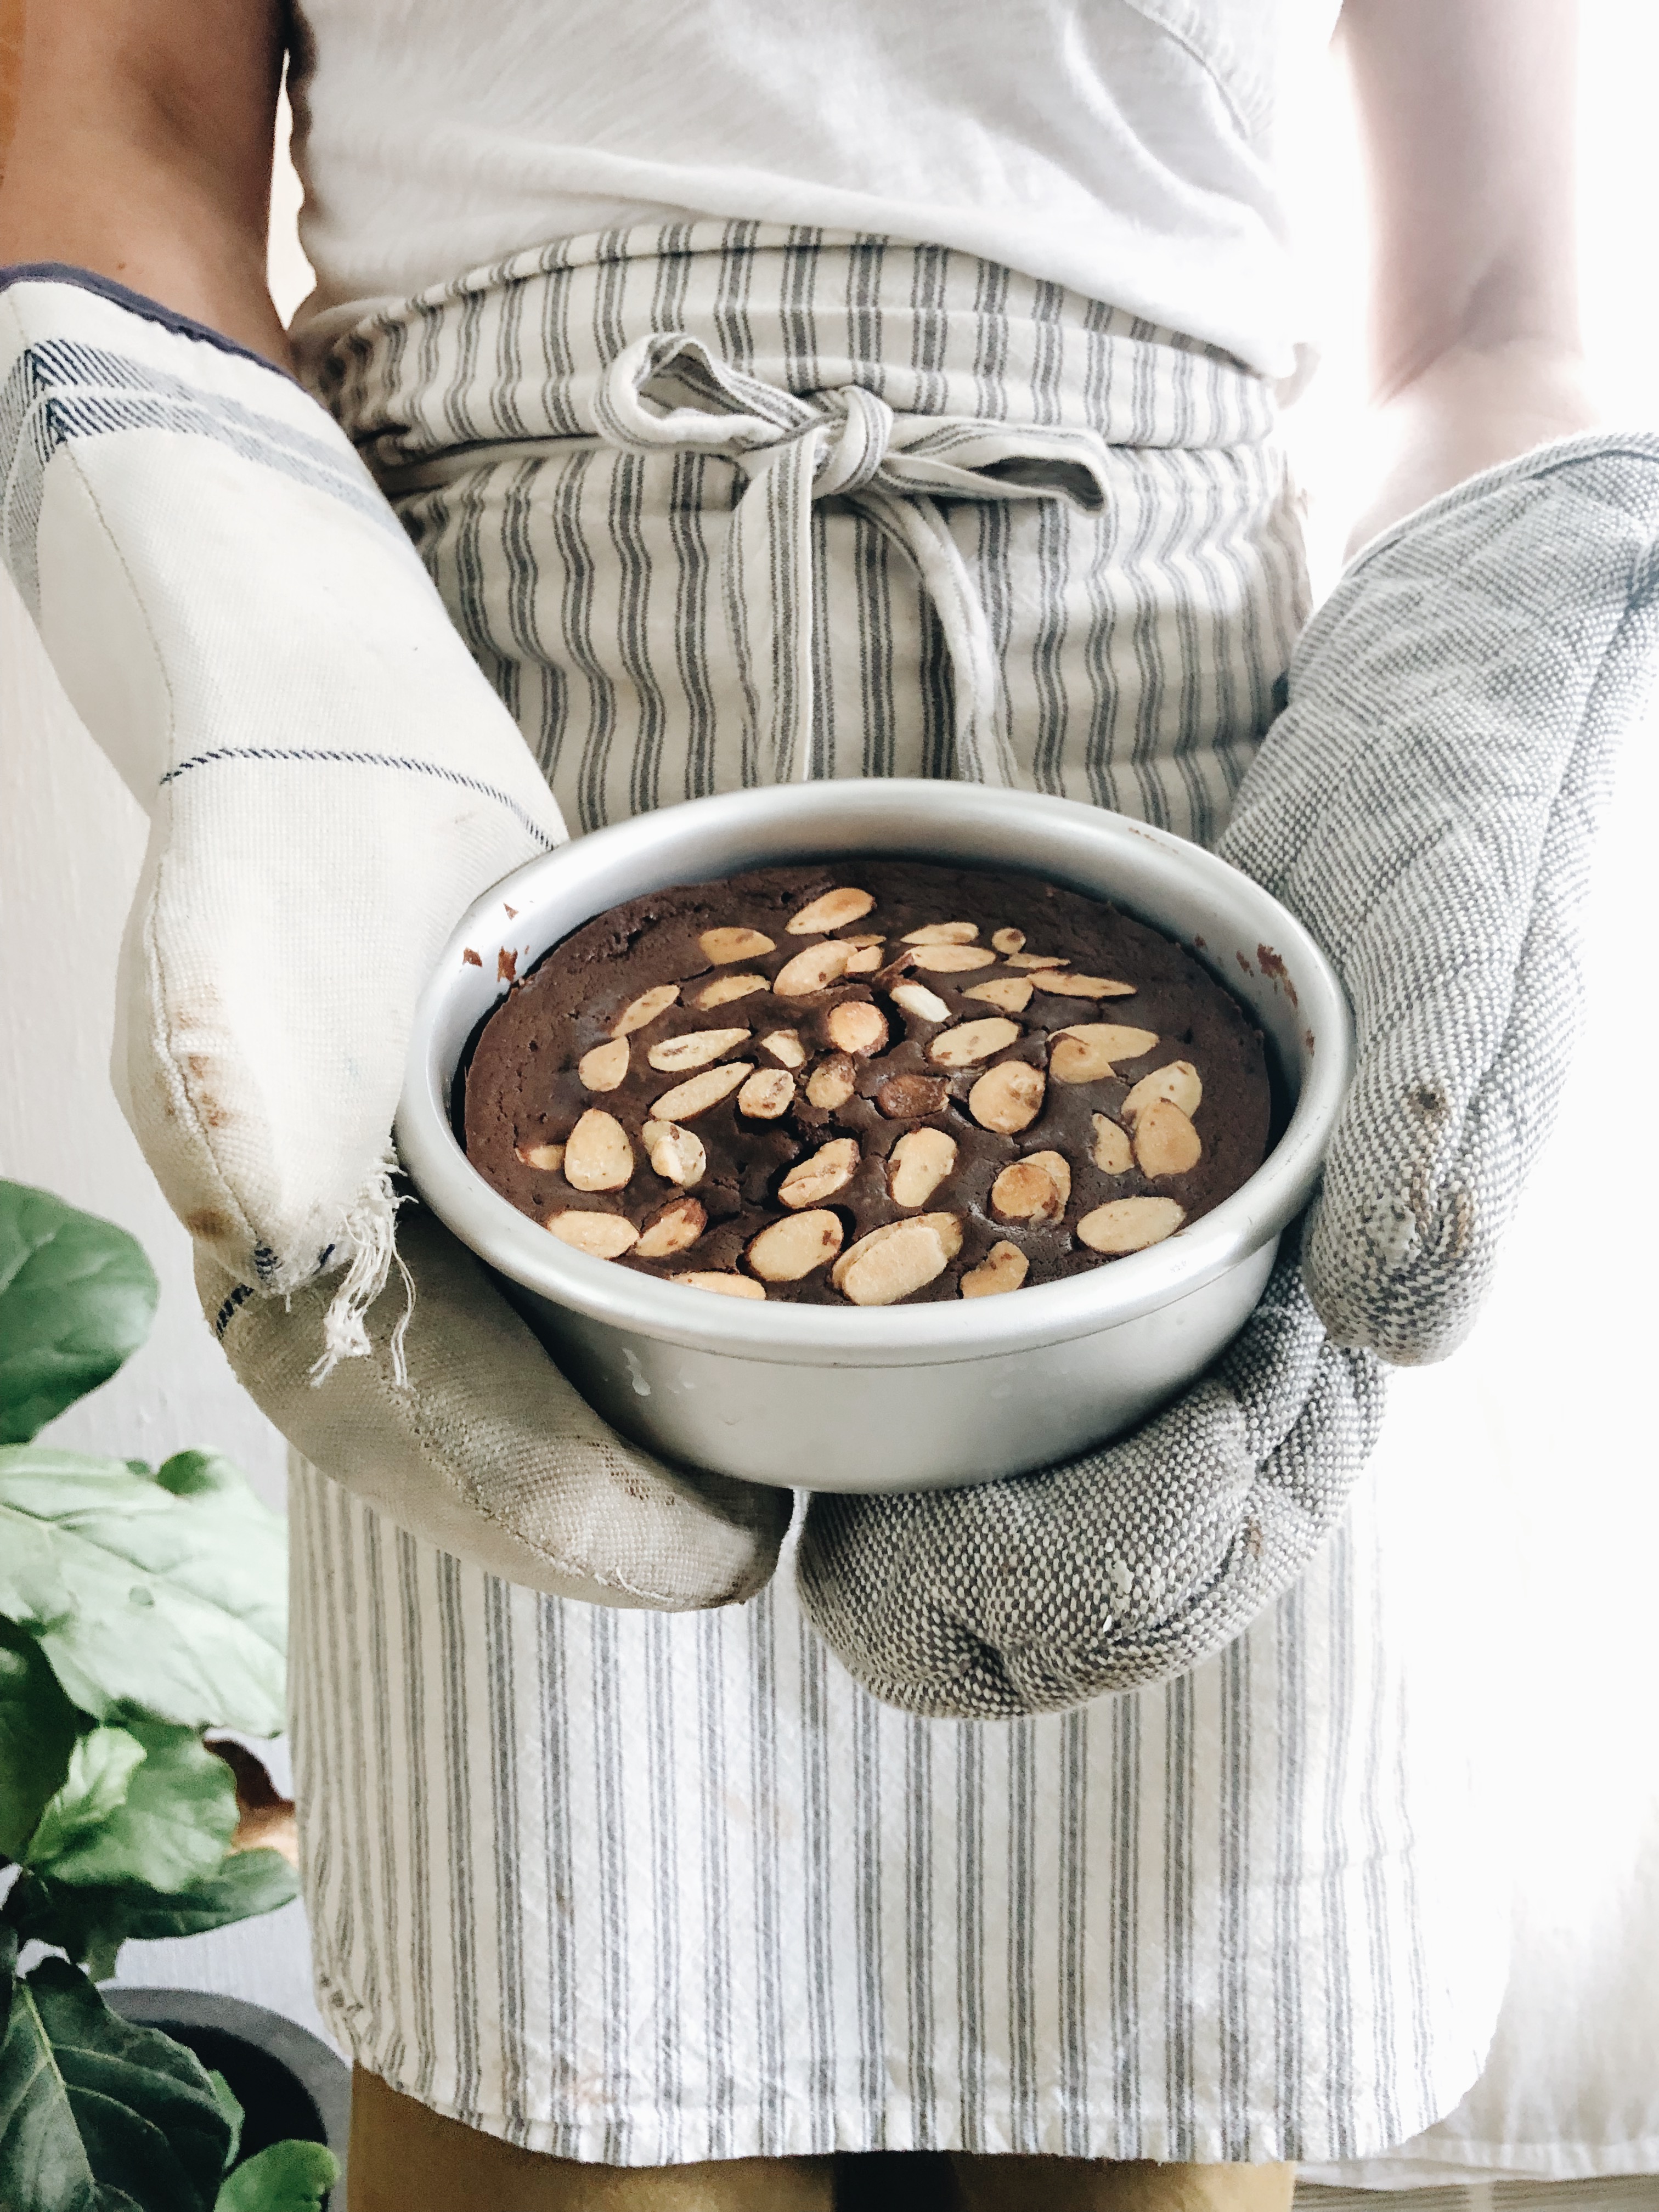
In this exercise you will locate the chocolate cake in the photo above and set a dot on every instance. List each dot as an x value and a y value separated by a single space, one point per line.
862 1083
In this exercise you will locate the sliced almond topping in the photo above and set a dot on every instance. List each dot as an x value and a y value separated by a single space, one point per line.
1121 1041
971 1041
789 1249
603 1068
646 1008
831 1169
1011 993
785 1045
548 1158
903 961
833 911
1129 1225
918 1165
1166 1142
1007 941
916 999
909 1097
599 1156
1003 1268
1178 1083
913 1256
866 961
1037 960
722 946
1110 1150
942 932
1064 984
1085 1052
675 1229
687 1100
724 988
947 1227
695 1048
949 960
814 970
768 1092
1036 1188
1007 1097
728 1286
863 943
675 1154
602 1235
856 1026
831 1082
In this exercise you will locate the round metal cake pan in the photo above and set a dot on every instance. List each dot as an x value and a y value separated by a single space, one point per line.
897 1397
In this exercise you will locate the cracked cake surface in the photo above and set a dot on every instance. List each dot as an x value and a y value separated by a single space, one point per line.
866 1083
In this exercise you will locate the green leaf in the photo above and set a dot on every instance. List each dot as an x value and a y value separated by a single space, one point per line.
286 2177
95 2113
91 1924
230 2105
77 1298
166 1595
37 1727
169 1825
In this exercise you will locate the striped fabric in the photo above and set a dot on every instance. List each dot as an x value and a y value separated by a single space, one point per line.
640 1888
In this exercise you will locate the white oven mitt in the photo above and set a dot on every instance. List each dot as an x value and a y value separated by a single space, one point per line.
1425 804
237 616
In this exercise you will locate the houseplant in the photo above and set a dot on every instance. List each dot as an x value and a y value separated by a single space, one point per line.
140 1607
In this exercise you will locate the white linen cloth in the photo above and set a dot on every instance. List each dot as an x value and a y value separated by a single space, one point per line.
644 1890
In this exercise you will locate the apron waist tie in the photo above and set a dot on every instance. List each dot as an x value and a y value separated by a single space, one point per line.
844 442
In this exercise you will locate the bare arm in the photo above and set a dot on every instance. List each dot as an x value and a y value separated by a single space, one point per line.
141 149
1466 108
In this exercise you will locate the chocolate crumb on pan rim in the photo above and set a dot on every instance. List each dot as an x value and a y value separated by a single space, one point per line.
1160 878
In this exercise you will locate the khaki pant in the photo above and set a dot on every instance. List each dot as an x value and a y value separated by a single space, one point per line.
405 2158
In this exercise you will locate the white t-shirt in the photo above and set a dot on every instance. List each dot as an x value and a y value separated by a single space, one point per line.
1122 148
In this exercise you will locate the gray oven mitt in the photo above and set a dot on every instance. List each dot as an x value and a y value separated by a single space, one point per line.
1425 804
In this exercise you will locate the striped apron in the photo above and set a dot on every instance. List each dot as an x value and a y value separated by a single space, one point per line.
712 506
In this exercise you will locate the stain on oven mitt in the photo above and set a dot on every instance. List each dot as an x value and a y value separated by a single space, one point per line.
486 1450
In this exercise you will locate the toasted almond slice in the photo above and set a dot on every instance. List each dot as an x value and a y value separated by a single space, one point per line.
831 1082
603 1068
1032 1189
973 1040
675 1154
598 1156
1129 1225
693 1049
918 1165
724 989
549 1159
909 1097
646 1008
833 911
786 1046
1120 1040
768 1092
1007 941
1003 1268
951 959
1007 1097
602 1235
1036 960
905 1262
866 961
942 932
863 943
1166 1142
901 963
1064 983
916 999
687 1100
1011 993
814 970
675 1229
1110 1150
720 947
728 1286
947 1227
1178 1083
831 1169
1085 1052
856 1026
790 1249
